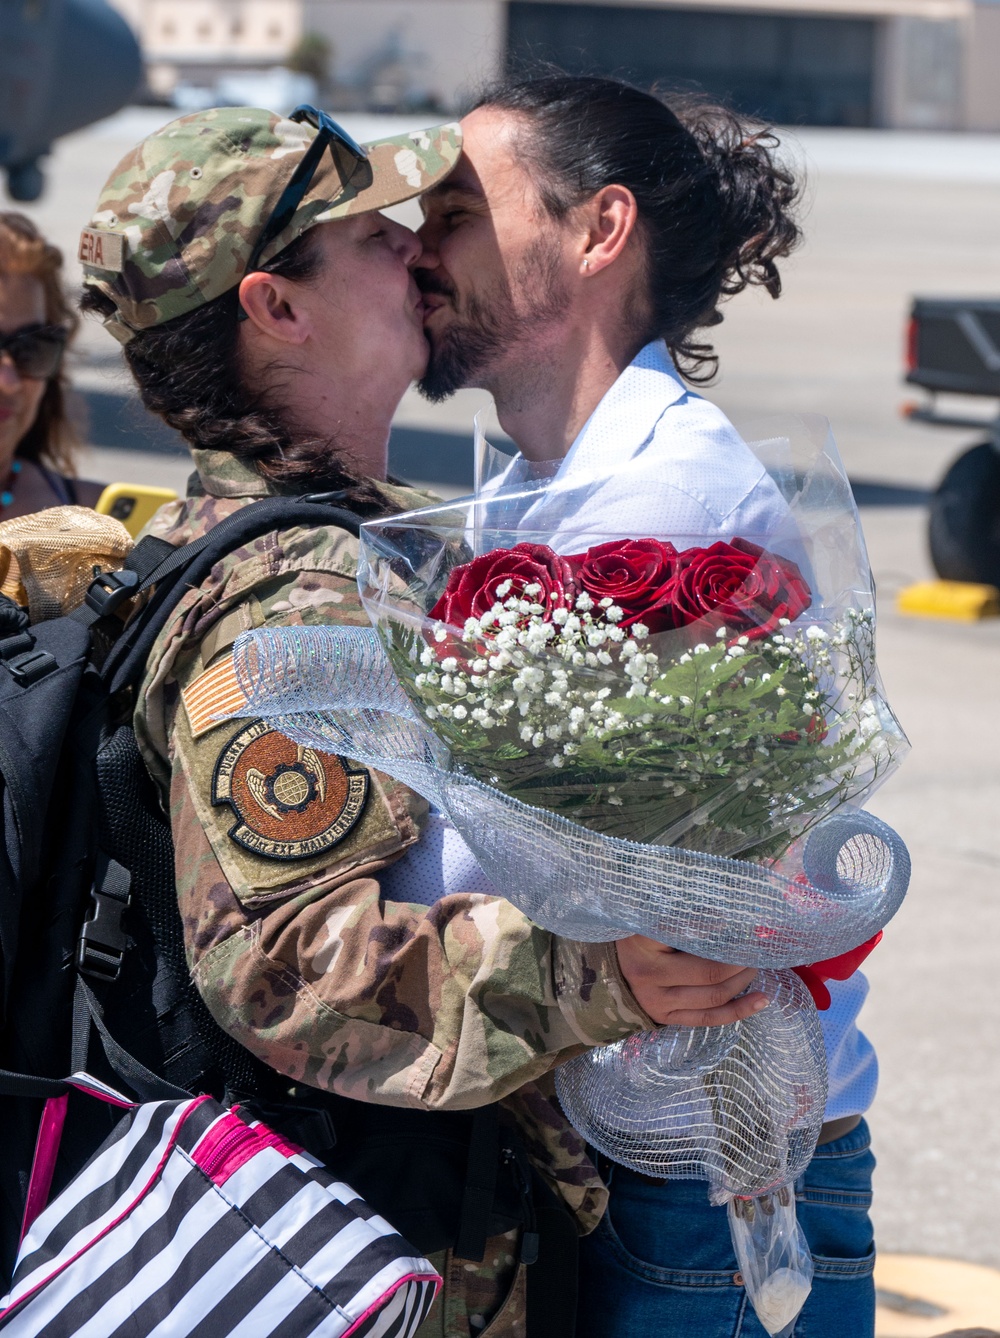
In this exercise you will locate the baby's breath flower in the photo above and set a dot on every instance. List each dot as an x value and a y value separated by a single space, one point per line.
615 614
640 631
701 648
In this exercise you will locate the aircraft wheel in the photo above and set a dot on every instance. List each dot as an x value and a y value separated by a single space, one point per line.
965 518
25 182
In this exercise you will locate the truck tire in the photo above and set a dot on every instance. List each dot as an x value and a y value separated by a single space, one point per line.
965 518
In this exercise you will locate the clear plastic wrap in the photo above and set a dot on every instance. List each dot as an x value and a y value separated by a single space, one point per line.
774 1259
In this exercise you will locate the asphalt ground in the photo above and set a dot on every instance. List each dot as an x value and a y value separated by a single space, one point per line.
886 216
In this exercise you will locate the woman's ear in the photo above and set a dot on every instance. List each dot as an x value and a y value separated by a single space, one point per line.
270 304
610 216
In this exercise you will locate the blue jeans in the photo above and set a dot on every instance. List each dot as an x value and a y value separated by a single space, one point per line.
661 1263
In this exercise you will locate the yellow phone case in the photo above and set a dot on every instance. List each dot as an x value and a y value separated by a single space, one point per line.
133 503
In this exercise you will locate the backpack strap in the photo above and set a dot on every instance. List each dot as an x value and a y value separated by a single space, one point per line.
169 572
146 1084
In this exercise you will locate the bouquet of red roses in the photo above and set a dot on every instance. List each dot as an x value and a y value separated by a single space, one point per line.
650 694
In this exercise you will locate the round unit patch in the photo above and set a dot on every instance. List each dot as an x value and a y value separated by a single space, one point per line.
291 802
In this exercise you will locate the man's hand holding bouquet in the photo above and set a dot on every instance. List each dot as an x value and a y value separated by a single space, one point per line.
643 734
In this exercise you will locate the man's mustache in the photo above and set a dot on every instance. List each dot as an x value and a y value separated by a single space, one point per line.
429 282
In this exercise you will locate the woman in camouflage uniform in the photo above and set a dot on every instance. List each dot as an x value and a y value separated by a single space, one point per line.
280 349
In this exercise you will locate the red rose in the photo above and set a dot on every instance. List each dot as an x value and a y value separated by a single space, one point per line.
472 588
739 586
636 574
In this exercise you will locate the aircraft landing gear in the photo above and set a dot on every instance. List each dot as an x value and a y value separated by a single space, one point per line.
25 182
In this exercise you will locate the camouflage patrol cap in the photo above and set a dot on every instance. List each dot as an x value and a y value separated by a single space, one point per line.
176 223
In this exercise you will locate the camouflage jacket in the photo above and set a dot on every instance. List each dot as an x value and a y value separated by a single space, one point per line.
278 852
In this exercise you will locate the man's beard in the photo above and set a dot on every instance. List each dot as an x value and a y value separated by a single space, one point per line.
492 325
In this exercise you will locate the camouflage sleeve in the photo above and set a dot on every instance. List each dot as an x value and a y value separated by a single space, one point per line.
298 957
442 1007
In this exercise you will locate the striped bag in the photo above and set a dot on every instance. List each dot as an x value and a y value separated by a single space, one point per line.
192 1222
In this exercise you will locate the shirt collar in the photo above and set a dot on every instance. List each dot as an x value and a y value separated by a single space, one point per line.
221 474
626 417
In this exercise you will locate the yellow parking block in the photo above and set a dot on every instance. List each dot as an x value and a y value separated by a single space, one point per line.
949 599
921 1297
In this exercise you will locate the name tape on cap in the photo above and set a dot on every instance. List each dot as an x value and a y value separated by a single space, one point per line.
102 250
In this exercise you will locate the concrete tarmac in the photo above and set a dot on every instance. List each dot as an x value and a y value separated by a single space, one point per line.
887 216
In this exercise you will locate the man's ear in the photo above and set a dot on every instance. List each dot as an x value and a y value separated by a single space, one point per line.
611 217
270 304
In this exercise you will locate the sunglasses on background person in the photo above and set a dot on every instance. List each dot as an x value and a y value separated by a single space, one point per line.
35 350
347 156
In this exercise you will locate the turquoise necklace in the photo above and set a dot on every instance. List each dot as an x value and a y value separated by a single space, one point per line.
7 496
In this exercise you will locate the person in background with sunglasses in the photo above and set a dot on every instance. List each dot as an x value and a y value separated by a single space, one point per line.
37 440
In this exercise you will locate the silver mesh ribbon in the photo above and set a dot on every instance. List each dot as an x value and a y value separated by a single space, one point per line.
332 688
740 1106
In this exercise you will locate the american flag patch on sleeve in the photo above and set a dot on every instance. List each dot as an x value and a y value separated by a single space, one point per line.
213 697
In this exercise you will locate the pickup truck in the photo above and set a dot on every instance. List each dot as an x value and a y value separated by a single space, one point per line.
954 348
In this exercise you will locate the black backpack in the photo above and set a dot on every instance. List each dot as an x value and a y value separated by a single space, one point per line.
91 941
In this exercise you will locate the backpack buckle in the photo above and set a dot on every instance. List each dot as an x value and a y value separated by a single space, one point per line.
109 591
30 666
103 942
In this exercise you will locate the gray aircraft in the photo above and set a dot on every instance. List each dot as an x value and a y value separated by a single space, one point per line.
63 64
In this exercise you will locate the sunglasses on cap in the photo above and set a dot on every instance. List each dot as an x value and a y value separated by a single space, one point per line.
347 156
35 350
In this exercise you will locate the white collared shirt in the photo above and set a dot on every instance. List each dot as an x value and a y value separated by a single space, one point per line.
654 460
